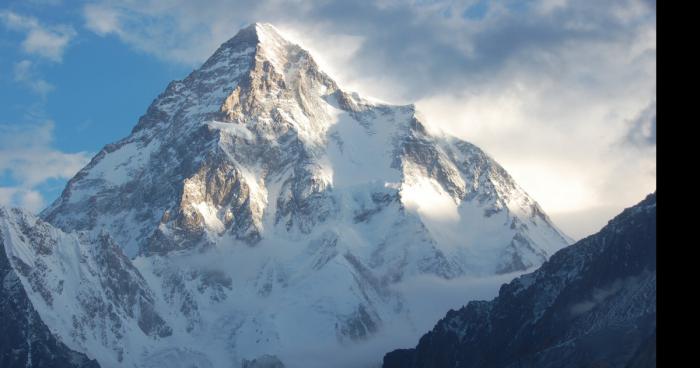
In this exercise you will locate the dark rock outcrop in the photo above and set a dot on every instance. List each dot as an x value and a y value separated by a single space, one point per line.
593 304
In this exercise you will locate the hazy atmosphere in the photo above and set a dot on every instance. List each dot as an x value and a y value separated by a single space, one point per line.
302 184
561 93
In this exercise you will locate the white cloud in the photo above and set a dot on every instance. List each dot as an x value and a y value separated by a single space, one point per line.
48 42
27 199
147 27
577 138
554 90
426 197
548 6
24 72
101 20
26 156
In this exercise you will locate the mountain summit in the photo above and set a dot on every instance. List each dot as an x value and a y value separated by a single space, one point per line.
259 212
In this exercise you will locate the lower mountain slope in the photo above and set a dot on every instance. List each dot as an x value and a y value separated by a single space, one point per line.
593 304
25 340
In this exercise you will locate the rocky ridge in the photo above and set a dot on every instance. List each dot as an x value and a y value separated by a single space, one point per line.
593 304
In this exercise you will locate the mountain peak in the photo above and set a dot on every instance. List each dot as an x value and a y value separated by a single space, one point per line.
259 28
266 40
268 33
257 63
264 34
257 178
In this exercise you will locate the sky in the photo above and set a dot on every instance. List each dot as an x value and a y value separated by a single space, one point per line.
561 93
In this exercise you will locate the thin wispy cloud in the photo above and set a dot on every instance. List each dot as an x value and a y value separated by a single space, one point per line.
49 42
28 158
27 199
25 73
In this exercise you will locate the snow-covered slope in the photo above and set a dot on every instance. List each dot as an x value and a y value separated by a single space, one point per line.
593 304
83 287
257 209
25 340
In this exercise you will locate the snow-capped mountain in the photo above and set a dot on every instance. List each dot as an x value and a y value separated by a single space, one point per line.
259 213
25 340
593 304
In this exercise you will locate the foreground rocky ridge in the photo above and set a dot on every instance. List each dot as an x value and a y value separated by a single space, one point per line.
593 304
260 213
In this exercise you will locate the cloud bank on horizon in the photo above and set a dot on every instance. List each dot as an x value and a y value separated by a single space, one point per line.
561 93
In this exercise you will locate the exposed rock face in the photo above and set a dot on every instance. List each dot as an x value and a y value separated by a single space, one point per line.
25 340
83 287
259 132
265 361
592 304
257 182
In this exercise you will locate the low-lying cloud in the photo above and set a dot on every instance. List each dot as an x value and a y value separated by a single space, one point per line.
431 297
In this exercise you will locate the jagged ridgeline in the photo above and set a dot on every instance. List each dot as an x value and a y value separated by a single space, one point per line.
259 212
592 304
